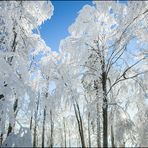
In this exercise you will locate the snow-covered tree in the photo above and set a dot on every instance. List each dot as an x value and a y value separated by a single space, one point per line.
92 93
99 45
18 19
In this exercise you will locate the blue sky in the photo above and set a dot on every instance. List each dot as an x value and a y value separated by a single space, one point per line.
65 13
55 29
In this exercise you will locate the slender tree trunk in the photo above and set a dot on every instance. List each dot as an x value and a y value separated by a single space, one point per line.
31 123
89 138
112 137
34 135
14 43
43 128
80 125
51 129
98 128
105 107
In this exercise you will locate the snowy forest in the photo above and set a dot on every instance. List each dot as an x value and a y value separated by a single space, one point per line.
92 92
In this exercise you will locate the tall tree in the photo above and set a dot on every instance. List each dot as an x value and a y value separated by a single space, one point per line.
99 42
17 42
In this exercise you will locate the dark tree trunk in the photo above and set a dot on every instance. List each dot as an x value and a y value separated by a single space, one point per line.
34 136
51 129
105 108
43 128
31 123
80 124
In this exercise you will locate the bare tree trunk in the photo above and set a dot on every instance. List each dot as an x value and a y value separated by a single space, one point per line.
80 125
14 43
43 128
51 129
105 106
34 135
89 138
112 137
98 128
31 123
